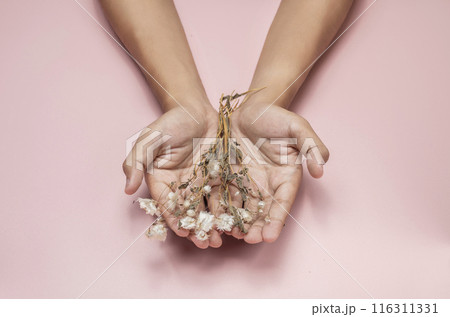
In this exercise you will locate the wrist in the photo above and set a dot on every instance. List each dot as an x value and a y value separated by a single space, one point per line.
281 86
198 111
197 106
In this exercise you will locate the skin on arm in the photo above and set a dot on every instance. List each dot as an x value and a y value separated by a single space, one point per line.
300 32
153 34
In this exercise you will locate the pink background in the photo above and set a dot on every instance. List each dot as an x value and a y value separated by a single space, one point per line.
70 97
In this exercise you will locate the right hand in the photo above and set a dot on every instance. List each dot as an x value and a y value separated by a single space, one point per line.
179 165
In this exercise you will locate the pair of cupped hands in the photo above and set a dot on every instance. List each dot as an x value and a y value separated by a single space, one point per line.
278 180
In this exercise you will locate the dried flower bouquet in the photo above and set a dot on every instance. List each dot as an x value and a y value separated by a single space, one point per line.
223 164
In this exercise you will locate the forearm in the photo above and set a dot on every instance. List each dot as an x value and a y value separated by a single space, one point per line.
300 32
153 34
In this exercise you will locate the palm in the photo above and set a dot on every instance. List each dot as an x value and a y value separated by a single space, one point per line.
172 161
276 170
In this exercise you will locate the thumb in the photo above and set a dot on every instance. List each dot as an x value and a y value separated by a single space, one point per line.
310 146
134 178
140 158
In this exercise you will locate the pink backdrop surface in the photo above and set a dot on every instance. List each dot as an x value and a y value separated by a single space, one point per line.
379 98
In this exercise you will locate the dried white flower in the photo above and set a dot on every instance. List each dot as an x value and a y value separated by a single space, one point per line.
173 199
261 205
157 231
213 169
201 235
186 204
149 205
225 222
207 189
172 196
245 215
190 212
205 221
267 219
172 205
213 174
187 223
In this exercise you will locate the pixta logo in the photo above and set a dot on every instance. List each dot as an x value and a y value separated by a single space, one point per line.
143 147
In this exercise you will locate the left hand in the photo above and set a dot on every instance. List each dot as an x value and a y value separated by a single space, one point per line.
278 181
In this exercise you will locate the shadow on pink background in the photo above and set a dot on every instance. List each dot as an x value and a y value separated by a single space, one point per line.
70 97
